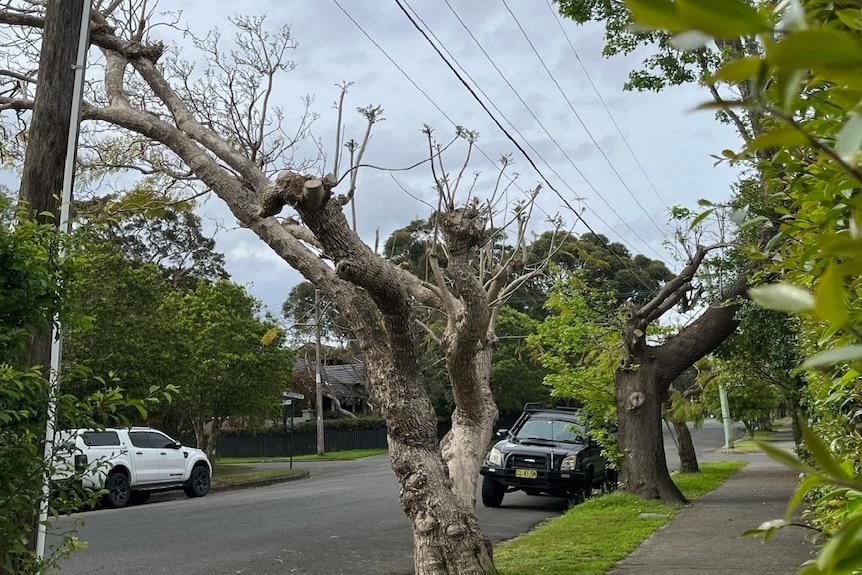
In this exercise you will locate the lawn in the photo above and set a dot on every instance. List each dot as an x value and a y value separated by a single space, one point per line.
331 456
591 537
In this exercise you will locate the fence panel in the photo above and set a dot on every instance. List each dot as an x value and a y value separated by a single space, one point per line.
303 443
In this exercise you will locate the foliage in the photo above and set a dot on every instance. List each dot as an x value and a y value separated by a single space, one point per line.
752 401
148 228
299 308
127 331
32 276
240 364
805 81
579 344
516 375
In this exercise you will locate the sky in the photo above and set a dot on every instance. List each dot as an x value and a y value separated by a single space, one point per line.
620 158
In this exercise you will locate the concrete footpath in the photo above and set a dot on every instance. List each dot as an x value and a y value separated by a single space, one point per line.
706 537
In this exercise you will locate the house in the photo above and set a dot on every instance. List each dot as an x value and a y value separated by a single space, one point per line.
345 386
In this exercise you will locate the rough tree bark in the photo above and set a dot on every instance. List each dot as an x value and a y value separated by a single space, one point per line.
643 379
687 454
42 174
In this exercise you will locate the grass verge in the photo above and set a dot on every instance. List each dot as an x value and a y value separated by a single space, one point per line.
333 456
591 537
747 445
227 474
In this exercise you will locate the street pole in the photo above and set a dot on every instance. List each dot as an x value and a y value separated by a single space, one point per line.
291 435
77 97
318 381
725 417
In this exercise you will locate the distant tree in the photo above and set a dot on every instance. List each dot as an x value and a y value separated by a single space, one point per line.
299 309
148 228
240 364
128 333
516 375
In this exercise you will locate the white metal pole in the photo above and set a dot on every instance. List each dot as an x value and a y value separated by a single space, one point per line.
65 202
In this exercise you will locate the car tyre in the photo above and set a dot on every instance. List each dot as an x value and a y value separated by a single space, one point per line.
119 490
198 484
492 492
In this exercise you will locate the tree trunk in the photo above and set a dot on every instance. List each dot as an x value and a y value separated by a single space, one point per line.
465 445
212 440
687 454
643 468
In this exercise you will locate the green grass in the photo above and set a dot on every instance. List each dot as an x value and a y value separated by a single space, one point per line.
333 456
227 474
591 537
747 445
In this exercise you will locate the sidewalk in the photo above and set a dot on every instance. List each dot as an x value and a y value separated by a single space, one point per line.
706 537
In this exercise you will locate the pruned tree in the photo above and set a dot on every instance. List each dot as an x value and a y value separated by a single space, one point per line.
220 131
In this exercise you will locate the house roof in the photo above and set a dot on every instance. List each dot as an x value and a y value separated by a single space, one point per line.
346 380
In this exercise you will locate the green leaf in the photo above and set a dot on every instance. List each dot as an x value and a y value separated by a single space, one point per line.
821 453
834 356
810 482
657 14
817 49
832 297
850 17
784 137
782 297
700 218
849 139
722 18
737 71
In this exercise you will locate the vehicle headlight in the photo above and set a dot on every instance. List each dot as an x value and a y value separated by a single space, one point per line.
495 457
570 463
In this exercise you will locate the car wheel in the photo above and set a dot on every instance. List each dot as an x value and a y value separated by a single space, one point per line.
139 497
119 490
492 492
198 484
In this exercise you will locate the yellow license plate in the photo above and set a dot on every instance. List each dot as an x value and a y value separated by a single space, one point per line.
526 473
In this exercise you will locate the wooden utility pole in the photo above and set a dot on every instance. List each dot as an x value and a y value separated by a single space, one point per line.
45 163
42 175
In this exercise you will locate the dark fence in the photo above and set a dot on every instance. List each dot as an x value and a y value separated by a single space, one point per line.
303 443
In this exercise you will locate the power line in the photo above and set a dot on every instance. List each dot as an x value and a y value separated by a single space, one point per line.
604 104
511 139
542 126
583 125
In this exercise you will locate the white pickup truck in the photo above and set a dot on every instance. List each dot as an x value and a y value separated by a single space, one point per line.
131 463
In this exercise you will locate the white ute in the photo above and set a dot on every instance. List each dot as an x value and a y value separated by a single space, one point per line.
131 463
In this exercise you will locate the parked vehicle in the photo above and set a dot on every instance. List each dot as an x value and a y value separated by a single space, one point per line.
548 451
130 464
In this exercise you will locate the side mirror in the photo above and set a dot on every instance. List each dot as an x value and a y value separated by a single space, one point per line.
501 433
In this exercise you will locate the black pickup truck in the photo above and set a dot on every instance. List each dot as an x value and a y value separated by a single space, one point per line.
547 452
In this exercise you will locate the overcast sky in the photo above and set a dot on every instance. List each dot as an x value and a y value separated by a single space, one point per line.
627 156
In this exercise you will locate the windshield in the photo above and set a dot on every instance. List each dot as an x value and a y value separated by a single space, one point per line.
551 430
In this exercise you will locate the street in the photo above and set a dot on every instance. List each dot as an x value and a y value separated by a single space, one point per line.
344 519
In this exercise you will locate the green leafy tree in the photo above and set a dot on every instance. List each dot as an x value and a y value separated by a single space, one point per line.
148 228
128 332
240 364
579 344
516 375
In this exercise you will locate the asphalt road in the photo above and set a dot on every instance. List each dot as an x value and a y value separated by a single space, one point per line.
344 519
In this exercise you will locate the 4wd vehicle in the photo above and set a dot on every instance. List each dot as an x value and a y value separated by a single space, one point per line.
130 463
547 452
